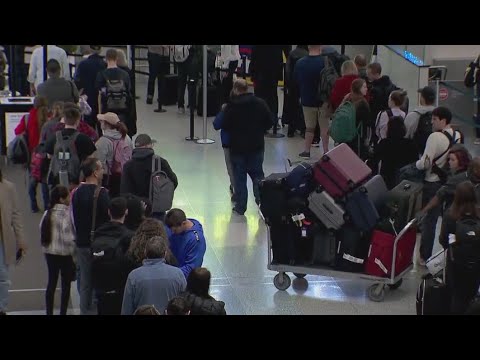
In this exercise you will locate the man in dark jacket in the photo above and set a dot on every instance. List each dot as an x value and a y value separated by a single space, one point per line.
56 88
85 76
109 268
246 119
138 171
266 69
82 211
380 88
292 110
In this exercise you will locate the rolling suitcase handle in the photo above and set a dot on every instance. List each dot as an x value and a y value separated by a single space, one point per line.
397 238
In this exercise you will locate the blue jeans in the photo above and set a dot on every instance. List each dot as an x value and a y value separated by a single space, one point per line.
84 271
32 191
251 164
4 280
429 222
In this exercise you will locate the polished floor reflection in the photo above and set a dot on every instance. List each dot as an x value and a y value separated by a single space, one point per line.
236 245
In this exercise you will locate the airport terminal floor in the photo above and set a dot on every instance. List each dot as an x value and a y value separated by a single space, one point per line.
236 245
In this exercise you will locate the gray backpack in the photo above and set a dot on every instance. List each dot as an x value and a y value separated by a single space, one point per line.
162 188
65 160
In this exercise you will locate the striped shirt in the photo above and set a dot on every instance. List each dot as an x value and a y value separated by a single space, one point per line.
62 232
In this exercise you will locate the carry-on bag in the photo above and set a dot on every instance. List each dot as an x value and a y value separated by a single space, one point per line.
340 170
352 249
330 213
273 198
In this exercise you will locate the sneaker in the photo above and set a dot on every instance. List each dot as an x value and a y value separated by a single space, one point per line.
315 143
181 110
305 155
35 209
477 141
149 100
159 110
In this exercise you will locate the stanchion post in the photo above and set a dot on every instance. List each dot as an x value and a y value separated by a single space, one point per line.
437 85
204 139
192 84
45 60
11 71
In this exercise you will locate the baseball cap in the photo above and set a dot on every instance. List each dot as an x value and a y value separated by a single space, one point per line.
428 94
109 117
144 140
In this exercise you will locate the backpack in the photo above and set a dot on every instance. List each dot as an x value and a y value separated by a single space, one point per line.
424 129
466 248
344 127
442 172
328 76
122 152
65 158
36 164
17 150
107 259
116 94
181 53
162 188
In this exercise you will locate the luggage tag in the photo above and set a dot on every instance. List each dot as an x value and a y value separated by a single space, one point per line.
297 219
305 224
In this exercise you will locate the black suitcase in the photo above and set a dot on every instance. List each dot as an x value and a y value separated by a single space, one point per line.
352 249
282 246
171 89
273 198
433 297
324 247
401 205
213 101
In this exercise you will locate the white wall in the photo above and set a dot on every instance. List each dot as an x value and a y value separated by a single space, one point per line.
451 52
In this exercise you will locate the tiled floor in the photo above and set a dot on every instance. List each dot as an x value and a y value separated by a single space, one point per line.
236 245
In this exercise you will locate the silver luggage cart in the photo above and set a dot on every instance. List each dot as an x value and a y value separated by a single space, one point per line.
375 292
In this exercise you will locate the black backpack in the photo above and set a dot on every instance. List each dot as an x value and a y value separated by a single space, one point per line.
116 94
465 251
107 260
424 129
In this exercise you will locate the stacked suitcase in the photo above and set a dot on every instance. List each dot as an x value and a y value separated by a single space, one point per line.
336 214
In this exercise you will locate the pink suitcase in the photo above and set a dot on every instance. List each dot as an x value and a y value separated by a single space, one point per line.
340 171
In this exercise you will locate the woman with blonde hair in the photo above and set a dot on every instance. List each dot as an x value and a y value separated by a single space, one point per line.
343 84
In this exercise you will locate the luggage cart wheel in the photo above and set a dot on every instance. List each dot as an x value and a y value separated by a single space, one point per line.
300 276
376 292
396 285
282 281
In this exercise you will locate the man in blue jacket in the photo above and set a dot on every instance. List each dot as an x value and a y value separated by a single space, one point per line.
187 241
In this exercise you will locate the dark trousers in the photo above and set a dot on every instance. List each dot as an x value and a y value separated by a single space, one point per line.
429 222
463 284
477 123
243 164
109 303
266 89
227 83
58 264
158 67
293 112
32 192
184 74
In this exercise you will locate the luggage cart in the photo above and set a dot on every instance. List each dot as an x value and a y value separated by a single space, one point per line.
375 292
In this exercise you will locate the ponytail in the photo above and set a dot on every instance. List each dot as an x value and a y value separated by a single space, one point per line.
121 128
398 97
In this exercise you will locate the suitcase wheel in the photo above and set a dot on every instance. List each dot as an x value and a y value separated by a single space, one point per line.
325 158
363 190
300 276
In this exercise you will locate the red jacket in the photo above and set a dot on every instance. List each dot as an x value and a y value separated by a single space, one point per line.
341 88
33 132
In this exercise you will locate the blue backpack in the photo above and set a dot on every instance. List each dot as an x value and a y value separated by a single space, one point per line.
300 181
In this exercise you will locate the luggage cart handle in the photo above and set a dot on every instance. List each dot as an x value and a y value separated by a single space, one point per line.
397 238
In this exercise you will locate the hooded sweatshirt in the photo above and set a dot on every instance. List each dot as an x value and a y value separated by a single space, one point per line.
378 93
188 247
105 145
246 119
138 171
